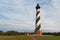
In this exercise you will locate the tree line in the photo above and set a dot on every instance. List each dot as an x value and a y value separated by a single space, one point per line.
52 33
12 33
9 33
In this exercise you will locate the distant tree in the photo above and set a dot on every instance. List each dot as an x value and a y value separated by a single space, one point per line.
11 33
1 32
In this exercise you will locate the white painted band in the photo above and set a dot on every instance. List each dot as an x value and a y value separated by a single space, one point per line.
38 23
38 15
37 10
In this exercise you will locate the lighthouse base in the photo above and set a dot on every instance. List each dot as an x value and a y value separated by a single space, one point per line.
39 32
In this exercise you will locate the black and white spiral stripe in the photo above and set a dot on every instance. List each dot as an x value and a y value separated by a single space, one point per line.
38 24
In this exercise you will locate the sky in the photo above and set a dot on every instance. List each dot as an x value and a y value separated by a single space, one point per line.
19 15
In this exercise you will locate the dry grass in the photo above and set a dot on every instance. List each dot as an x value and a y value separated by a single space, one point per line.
14 38
29 38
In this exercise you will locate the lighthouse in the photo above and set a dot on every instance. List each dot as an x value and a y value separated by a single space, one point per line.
38 23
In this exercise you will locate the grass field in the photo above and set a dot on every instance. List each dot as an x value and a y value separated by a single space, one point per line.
14 38
47 37
29 38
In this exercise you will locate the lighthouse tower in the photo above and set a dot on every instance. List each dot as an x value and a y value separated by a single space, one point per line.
38 23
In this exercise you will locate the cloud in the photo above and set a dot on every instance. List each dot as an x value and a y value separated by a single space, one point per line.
50 21
19 15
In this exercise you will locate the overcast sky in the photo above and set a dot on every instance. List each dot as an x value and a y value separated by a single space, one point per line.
19 15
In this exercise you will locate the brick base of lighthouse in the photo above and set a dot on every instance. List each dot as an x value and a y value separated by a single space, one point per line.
39 32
